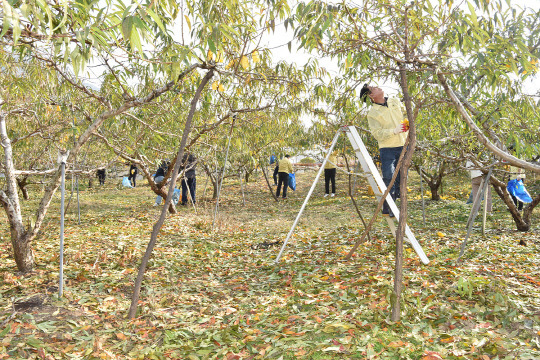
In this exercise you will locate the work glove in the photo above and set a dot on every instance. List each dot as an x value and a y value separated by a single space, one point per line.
400 128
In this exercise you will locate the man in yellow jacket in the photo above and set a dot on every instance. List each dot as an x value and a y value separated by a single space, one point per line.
388 125
285 167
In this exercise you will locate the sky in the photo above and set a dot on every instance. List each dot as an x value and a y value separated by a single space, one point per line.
278 43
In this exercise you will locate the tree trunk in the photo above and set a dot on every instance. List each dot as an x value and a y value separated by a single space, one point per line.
247 174
267 182
20 238
22 252
434 187
400 231
161 190
528 210
157 226
523 223
216 186
21 183
214 179
433 181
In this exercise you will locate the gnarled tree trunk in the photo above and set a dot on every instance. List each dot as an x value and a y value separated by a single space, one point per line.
22 182
22 251
20 237
247 174
523 222
214 179
157 226
434 181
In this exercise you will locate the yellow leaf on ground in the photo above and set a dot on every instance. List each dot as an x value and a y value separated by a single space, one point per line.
300 352
431 355
448 339
68 348
441 234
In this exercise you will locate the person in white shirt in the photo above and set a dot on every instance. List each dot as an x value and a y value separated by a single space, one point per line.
518 174
476 179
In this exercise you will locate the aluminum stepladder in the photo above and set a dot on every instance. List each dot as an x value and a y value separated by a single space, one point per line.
375 181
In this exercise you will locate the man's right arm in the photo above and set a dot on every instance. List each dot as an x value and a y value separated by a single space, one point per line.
378 132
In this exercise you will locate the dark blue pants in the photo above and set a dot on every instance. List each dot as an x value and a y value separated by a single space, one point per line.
283 180
389 159
329 177
191 183
276 170
132 178
518 203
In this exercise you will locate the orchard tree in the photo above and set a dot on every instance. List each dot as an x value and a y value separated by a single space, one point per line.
419 45
229 33
149 134
66 39
442 150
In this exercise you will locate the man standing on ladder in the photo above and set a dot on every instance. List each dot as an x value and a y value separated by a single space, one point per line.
285 167
389 126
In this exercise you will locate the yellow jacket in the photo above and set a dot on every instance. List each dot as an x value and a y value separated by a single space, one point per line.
383 120
285 165
332 161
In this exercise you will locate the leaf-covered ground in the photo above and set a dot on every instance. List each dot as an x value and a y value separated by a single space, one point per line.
211 295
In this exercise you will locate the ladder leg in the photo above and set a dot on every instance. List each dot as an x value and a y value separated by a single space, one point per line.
376 183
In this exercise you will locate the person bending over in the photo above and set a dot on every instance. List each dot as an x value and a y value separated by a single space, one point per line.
101 174
132 174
